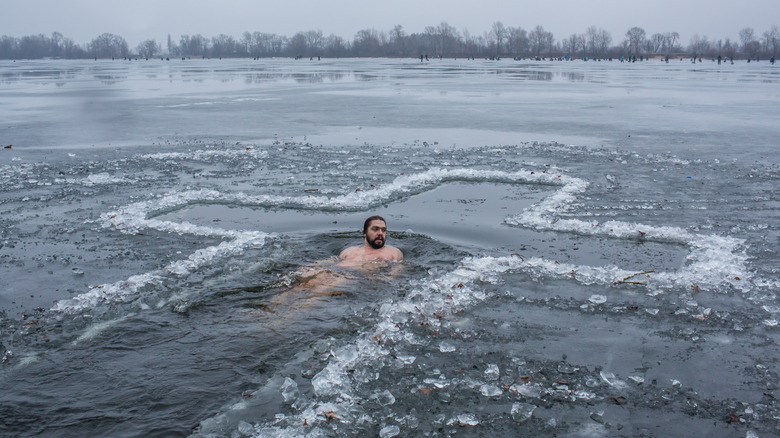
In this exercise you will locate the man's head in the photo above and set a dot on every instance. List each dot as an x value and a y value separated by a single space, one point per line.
375 231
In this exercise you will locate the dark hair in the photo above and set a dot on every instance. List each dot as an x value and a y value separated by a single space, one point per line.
371 219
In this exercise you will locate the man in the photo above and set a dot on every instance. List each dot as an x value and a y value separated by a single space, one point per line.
373 248
320 279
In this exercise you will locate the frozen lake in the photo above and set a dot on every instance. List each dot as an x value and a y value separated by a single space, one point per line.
590 248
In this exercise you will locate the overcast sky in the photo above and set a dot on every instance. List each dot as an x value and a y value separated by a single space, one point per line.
138 20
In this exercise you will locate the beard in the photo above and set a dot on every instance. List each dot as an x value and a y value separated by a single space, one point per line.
377 243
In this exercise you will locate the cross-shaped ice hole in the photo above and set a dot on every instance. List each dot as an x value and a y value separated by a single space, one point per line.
711 260
465 214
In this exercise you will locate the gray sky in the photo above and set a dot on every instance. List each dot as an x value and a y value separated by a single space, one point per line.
138 20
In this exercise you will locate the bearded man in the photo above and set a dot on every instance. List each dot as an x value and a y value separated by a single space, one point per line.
373 248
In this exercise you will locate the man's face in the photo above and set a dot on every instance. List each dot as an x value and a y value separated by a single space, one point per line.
376 234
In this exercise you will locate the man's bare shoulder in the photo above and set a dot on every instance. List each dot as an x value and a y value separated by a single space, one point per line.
350 252
395 253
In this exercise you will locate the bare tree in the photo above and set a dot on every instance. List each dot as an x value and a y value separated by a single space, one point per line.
729 48
772 41
597 41
195 45
314 41
671 42
471 44
674 40
499 34
716 48
517 41
698 46
655 44
574 44
70 49
367 43
148 49
449 38
335 46
34 46
259 44
108 45
603 42
173 49
635 37
750 45
397 33
275 43
309 43
297 46
246 42
383 39
398 39
9 47
746 36
55 44
224 45
540 40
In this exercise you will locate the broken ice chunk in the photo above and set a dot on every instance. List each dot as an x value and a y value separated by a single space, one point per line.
289 390
597 299
389 431
492 372
490 390
446 347
611 380
522 412
467 420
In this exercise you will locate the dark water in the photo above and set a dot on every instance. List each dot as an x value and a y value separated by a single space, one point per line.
590 248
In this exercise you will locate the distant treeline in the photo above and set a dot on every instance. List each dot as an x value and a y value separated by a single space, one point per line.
436 41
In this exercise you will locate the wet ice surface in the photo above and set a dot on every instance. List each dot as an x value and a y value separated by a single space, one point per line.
590 248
